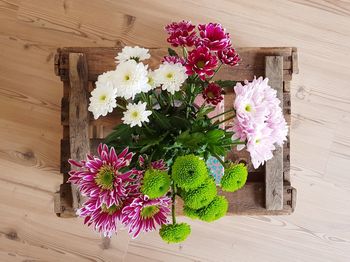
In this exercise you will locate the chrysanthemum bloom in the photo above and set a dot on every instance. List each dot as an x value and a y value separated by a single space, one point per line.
131 78
158 164
200 61
151 80
101 176
234 178
136 114
214 36
259 119
170 76
175 233
132 53
104 219
173 59
181 33
228 56
103 99
143 214
213 94
155 183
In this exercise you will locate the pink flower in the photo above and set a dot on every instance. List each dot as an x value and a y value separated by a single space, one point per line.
259 119
200 61
228 56
104 219
101 177
181 33
143 214
159 164
213 36
173 59
213 94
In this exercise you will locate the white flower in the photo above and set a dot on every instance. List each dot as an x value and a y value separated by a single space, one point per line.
151 80
170 76
103 99
131 79
132 53
107 77
136 114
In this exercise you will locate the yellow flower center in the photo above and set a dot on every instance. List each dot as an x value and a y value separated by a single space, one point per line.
257 141
105 177
170 75
135 114
200 64
248 108
103 97
110 210
127 77
149 211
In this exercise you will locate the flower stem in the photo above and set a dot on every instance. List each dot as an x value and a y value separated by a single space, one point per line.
223 113
173 192
225 120
120 106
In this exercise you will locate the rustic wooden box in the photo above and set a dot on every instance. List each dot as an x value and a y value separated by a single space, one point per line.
268 190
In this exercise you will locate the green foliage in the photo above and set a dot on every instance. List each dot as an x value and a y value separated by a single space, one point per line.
189 212
226 83
155 183
215 210
172 52
189 171
202 195
175 233
234 178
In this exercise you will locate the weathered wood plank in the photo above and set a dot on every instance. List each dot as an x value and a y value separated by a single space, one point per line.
250 201
101 59
274 167
78 114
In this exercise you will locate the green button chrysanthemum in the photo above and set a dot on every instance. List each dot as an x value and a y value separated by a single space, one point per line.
189 212
202 195
215 210
234 178
175 233
189 171
155 183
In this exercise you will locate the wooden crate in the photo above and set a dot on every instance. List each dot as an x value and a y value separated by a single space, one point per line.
268 190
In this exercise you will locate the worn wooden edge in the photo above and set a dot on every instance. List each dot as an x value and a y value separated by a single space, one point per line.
274 166
295 67
101 59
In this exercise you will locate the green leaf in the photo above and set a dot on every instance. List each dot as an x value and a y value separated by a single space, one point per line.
172 52
205 111
120 132
226 83
161 120
215 135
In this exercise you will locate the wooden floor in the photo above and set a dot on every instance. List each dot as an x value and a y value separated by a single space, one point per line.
30 93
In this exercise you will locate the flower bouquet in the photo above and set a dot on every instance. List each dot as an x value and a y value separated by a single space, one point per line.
170 129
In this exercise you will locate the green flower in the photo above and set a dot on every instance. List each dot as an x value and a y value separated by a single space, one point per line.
202 195
175 233
189 171
215 210
189 212
234 177
155 183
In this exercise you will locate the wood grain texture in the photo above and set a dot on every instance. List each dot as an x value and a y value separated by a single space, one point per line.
30 128
78 115
274 166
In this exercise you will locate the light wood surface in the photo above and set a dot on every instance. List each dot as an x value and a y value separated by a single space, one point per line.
30 93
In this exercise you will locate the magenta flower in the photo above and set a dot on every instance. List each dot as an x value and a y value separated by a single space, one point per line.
181 33
143 214
259 119
101 177
104 219
213 94
159 164
214 36
200 61
173 59
228 56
